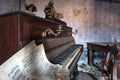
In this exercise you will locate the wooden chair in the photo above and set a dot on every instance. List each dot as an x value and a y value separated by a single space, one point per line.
109 62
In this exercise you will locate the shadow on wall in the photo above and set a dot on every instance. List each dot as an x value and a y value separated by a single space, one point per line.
106 21
103 24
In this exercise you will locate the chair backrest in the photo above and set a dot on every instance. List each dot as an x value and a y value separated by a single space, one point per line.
110 61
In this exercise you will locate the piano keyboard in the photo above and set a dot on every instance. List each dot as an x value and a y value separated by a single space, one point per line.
67 57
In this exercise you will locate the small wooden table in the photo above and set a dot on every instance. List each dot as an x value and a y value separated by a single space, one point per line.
103 47
100 47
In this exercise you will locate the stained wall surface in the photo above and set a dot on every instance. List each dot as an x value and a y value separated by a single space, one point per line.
95 21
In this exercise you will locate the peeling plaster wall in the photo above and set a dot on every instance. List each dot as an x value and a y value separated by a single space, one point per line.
95 21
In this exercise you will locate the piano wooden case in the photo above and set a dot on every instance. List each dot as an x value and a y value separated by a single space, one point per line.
18 28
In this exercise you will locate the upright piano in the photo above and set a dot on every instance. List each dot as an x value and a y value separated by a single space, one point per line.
19 28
